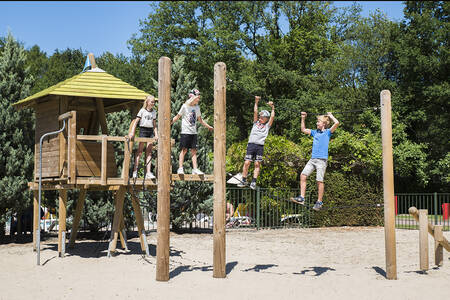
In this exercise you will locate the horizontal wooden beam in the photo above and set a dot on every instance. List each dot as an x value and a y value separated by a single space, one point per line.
192 177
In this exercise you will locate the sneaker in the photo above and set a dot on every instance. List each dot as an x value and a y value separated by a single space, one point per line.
197 171
318 205
180 171
134 174
149 176
253 185
243 183
299 199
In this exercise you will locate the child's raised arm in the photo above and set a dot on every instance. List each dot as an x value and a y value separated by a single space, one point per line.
255 109
303 128
336 122
272 114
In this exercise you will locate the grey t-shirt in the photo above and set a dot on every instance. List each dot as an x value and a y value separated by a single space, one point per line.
259 133
189 115
147 117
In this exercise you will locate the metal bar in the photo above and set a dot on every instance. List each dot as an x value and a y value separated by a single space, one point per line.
38 239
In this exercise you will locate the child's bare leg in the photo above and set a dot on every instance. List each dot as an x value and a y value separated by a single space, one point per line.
303 185
257 169
138 156
181 158
320 189
194 158
245 168
148 154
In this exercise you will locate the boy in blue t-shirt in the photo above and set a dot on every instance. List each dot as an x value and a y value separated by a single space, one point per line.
319 156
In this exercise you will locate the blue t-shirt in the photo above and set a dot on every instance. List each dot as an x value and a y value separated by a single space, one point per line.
320 143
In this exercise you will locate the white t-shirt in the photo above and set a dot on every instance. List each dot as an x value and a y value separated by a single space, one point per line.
189 115
259 133
147 117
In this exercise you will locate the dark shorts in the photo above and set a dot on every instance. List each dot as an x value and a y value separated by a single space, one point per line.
146 132
188 141
254 152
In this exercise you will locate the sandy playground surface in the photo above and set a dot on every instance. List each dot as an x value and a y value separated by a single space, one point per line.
335 263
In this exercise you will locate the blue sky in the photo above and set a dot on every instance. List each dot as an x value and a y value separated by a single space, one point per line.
97 26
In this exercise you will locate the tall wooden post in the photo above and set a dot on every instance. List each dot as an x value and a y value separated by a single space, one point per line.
164 170
388 185
62 219
219 170
423 240
77 217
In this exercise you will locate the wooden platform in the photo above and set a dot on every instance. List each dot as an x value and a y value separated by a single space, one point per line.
112 184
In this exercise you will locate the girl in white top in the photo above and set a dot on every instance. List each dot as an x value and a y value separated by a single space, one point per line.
146 118
190 111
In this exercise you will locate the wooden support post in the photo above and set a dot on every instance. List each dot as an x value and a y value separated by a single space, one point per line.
128 149
423 239
62 218
438 248
164 171
63 107
104 163
219 248
118 215
77 217
101 115
388 185
72 148
139 221
122 234
35 217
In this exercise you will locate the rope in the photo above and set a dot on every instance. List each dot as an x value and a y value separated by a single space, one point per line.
290 109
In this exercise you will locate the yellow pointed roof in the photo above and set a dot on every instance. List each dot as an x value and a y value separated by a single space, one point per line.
93 83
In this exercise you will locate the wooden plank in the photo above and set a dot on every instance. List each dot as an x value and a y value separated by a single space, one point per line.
192 177
118 215
164 170
423 239
72 154
62 218
104 163
219 177
388 185
77 217
438 248
89 158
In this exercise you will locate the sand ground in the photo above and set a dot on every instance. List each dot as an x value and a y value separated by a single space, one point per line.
335 263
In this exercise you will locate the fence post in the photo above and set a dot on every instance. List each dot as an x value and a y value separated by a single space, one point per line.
435 208
258 207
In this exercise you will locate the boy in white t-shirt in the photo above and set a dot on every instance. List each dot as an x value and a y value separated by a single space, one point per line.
190 113
146 118
262 122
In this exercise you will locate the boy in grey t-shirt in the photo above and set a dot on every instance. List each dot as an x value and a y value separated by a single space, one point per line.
255 148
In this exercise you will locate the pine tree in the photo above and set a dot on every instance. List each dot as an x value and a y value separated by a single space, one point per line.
188 198
16 131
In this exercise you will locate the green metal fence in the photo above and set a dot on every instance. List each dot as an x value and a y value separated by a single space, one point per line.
266 208
437 204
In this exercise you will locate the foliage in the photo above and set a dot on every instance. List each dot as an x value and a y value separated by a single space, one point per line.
16 130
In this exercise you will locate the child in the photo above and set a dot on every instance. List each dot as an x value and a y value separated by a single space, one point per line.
190 111
147 128
319 156
255 146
